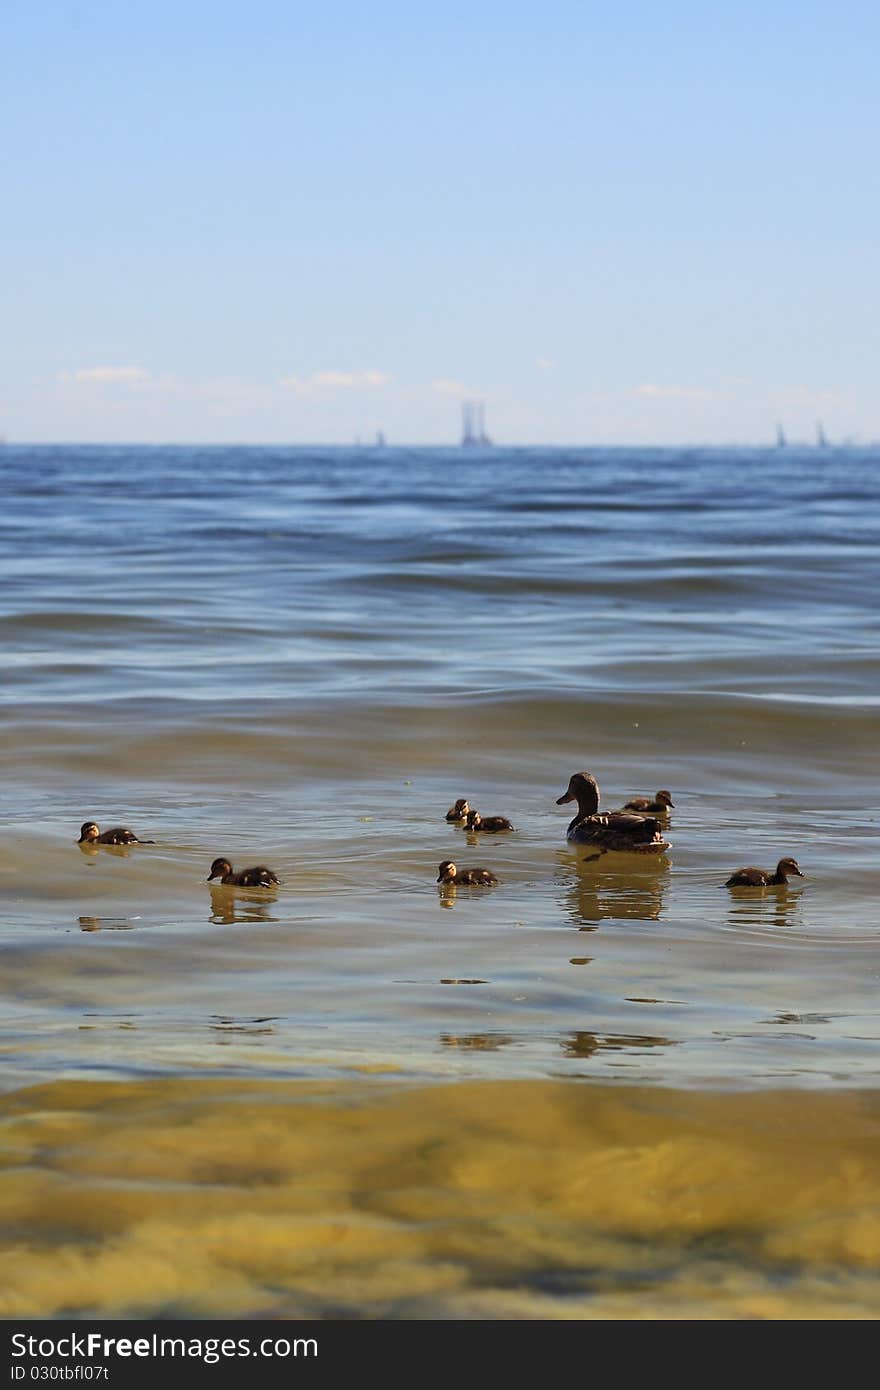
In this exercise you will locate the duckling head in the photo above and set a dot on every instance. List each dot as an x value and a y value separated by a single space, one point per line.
88 831
665 799
788 866
584 789
459 809
219 868
447 871
473 820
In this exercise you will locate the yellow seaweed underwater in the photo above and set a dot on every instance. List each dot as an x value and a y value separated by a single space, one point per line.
480 1199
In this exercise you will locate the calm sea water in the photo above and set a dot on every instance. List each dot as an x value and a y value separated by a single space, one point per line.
300 657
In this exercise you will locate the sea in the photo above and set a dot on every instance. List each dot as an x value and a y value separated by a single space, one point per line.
606 1088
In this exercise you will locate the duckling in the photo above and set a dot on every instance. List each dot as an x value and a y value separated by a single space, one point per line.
614 830
489 824
765 878
90 834
465 877
258 877
459 811
657 806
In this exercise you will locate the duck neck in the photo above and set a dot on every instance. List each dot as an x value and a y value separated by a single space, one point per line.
588 805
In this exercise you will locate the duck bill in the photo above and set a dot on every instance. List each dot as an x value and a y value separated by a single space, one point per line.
563 800
211 878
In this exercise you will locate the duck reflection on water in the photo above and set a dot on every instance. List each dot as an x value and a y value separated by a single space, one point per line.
92 850
761 908
612 887
583 1044
108 923
476 1042
241 906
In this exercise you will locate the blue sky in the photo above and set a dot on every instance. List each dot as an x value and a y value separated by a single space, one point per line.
286 222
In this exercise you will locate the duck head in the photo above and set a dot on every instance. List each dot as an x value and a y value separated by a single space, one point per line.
473 820
584 789
665 799
88 832
447 872
459 809
788 866
219 868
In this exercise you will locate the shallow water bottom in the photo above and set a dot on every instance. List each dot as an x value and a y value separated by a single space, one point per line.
511 1199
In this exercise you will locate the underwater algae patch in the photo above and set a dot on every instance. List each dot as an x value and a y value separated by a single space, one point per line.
478 1199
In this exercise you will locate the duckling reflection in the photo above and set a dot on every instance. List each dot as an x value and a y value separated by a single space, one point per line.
476 1042
775 907
106 924
91 849
228 907
581 1044
593 892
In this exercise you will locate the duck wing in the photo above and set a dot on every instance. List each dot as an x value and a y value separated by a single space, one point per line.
620 830
119 835
748 878
258 877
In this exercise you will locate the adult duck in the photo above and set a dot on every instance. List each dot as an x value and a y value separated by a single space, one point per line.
627 831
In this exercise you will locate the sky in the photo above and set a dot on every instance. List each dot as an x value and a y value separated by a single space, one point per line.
285 222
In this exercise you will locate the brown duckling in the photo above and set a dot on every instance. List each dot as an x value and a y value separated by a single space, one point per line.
465 877
765 878
258 877
614 830
655 806
489 824
459 810
90 834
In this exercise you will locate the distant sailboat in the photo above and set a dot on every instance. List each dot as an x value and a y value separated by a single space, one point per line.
473 421
821 439
781 440
381 441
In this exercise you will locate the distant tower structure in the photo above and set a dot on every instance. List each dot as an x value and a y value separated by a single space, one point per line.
473 425
781 440
821 437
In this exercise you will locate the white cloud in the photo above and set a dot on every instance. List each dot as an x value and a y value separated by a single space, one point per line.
125 376
334 381
673 393
444 386
546 364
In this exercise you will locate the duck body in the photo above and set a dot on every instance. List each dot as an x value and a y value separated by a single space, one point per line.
459 811
625 831
651 805
257 877
465 878
765 878
490 825
91 834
